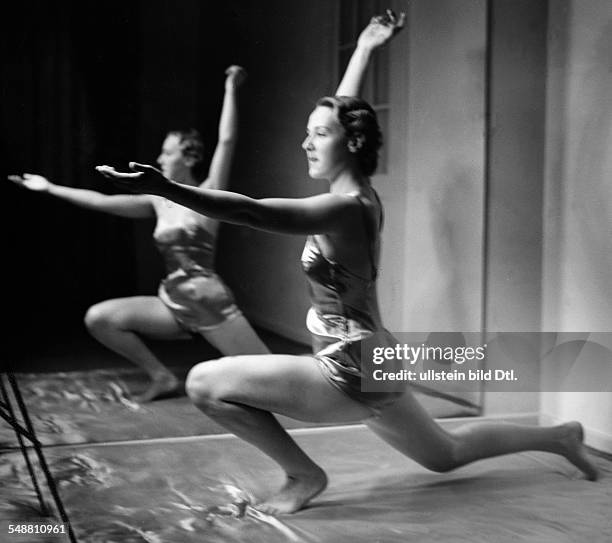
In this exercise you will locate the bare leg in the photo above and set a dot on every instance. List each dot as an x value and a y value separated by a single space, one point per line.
240 392
119 323
408 427
235 337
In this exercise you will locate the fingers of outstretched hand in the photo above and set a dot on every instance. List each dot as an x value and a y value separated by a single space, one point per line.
106 171
124 180
138 167
111 173
143 168
24 178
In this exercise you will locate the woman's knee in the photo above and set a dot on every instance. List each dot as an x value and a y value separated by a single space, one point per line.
441 465
204 385
445 459
98 318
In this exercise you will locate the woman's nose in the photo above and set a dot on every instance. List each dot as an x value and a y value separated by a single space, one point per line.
307 143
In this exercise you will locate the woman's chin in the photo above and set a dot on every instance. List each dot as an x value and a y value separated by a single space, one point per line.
314 173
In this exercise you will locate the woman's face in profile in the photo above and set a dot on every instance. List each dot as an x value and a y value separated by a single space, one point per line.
326 144
171 160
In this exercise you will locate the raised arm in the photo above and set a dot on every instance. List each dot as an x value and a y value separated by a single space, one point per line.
133 206
220 167
325 213
380 30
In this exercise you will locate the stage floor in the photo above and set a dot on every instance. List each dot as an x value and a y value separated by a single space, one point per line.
163 472
174 490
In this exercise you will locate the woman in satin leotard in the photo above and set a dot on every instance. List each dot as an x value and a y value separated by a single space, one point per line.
341 260
192 298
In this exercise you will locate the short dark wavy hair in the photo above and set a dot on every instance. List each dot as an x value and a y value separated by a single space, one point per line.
359 120
192 145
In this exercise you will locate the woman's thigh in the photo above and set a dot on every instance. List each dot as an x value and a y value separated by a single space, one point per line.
146 315
288 385
408 427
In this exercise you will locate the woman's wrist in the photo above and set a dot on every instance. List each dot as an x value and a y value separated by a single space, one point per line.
364 49
52 189
231 87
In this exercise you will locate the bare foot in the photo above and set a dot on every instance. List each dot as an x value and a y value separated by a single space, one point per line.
574 450
161 387
296 493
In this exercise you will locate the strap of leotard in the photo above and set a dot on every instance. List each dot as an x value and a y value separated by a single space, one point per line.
370 231
381 218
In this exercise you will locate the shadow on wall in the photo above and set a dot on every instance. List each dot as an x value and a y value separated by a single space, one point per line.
453 235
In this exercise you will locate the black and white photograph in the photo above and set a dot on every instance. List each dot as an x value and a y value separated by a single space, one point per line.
324 271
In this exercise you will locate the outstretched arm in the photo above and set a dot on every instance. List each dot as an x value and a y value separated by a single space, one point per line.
325 213
380 30
220 167
123 205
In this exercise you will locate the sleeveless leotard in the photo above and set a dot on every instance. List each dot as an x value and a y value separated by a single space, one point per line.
344 319
196 295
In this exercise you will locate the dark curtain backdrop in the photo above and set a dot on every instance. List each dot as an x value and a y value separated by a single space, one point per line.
73 90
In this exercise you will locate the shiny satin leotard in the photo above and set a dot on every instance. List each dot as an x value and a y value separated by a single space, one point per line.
344 318
196 295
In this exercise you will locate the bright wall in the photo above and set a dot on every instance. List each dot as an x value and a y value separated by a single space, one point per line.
577 291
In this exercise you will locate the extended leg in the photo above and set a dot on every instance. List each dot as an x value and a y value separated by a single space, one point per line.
119 324
409 428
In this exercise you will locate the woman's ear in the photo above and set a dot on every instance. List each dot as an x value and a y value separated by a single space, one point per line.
356 143
189 161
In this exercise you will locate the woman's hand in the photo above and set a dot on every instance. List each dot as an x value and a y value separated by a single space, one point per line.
381 29
143 179
30 181
236 76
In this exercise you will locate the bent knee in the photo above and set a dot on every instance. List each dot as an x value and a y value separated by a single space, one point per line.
445 460
98 318
441 466
204 384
